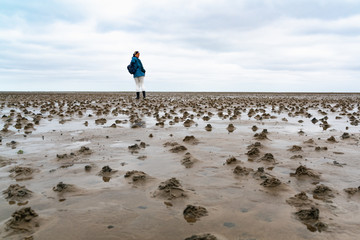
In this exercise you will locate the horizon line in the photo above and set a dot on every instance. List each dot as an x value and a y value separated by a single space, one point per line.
87 91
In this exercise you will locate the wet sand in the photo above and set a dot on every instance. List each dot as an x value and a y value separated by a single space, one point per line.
179 166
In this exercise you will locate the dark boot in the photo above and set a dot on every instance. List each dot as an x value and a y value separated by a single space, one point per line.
137 95
144 94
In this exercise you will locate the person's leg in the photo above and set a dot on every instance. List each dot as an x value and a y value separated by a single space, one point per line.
137 82
142 86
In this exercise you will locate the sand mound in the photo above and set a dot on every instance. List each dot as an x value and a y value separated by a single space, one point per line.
106 172
85 150
138 123
191 139
321 148
322 192
16 192
62 187
4 162
253 152
170 189
308 214
134 148
261 174
206 118
188 123
345 135
331 139
230 127
88 168
100 121
268 157
82 151
299 200
352 191
208 127
309 141
12 144
295 148
177 149
242 171
65 156
304 171
262 135
21 173
255 145
193 213
23 220
310 218
271 182
136 176
231 160
171 144
206 236
296 157
188 160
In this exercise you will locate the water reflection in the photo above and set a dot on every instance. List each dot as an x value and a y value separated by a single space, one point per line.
106 179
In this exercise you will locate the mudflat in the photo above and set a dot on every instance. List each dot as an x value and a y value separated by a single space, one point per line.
85 165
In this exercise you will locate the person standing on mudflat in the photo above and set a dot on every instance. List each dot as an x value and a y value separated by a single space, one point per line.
139 74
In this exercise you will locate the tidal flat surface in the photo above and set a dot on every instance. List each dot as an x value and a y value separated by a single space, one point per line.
209 166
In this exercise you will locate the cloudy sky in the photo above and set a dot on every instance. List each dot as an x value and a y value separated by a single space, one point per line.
185 45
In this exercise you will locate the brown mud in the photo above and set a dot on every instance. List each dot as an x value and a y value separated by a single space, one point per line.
193 213
22 220
15 192
20 173
170 189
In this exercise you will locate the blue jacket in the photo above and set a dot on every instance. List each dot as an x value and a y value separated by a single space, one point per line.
140 71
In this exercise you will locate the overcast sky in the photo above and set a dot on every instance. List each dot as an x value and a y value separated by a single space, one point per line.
185 45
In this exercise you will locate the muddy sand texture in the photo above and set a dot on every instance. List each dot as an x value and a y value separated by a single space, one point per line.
271 182
188 160
46 137
253 152
106 171
323 192
170 189
15 192
304 171
268 158
299 200
22 220
206 236
242 171
178 148
310 217
193 213
136 176
63 188
352 191
191 140
21 173
4 162
231 160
